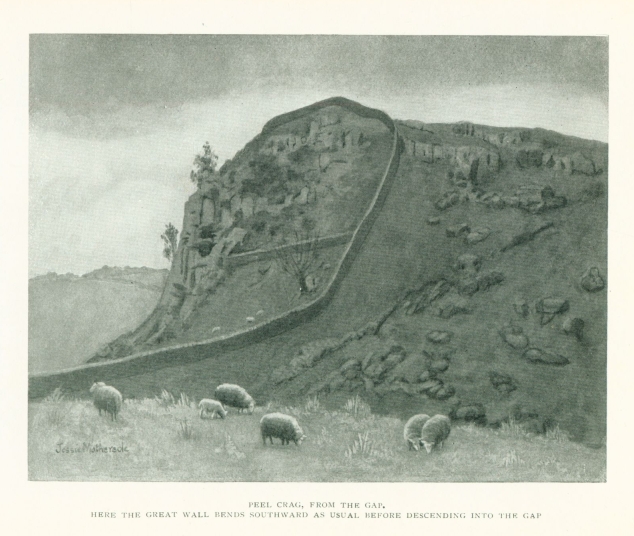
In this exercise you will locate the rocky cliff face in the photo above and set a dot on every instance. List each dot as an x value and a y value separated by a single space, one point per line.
310 177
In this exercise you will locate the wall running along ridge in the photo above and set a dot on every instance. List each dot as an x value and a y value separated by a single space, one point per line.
75 379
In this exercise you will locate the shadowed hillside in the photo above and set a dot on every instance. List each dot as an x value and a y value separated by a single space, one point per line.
70 317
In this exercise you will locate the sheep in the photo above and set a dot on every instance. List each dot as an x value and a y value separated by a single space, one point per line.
208 406
106 398
283 427
435 431
234 396
413 429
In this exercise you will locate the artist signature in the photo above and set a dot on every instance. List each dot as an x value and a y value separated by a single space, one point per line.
93 448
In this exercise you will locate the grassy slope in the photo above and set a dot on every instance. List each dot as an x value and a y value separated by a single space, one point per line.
70 319
341 445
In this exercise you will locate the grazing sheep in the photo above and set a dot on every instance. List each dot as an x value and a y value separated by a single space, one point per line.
435 431
413 430
234 396
283 427
208 406
106 398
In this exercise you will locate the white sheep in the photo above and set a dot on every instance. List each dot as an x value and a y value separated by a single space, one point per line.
413 430
234 396
283 427
208 406
435 431
106 398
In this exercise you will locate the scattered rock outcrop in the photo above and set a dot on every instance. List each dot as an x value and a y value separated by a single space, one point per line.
537 355
592 281
574 326
513 335
439 337
549 307
503 383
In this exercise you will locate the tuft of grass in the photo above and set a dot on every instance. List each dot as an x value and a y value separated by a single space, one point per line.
312 405
357 408
557 434
56 396
166 399
511 458
362 446
512 428
231 449
186 430
185 402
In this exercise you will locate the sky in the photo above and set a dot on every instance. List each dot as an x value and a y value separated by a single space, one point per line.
116 120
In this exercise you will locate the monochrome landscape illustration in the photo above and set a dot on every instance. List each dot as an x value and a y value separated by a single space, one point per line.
318 258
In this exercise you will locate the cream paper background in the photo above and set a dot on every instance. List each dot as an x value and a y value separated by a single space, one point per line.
64 508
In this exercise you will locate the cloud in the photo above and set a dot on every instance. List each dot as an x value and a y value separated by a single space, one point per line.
104 184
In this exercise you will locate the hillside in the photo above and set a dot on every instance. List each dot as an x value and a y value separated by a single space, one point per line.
479 290
65 310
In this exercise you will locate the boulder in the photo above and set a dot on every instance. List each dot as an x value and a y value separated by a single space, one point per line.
446 201
488 280
503 383
549 307
438 290
456 230
581 164
426 375
467 286
520 306
351 369
536 355
445 392
409 370
434 220
493 200
453 306
431 385
574 326
470 414
469 263
514 337
302 197
433 391
439 365
477 235
591 280
439 337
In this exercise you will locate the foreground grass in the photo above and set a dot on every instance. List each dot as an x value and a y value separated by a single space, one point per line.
165 440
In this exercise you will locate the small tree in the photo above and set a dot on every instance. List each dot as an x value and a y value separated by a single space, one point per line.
204 164
170 241
300 258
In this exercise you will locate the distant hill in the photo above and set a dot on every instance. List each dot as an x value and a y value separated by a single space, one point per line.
71 316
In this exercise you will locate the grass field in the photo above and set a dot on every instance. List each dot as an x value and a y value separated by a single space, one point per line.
163 439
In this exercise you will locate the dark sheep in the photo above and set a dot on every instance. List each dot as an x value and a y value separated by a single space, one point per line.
435 431
283 427
234 396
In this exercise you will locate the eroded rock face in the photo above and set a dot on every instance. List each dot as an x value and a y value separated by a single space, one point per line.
574 326
514 336
549 307
591 280
477 235
537 355
439 337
